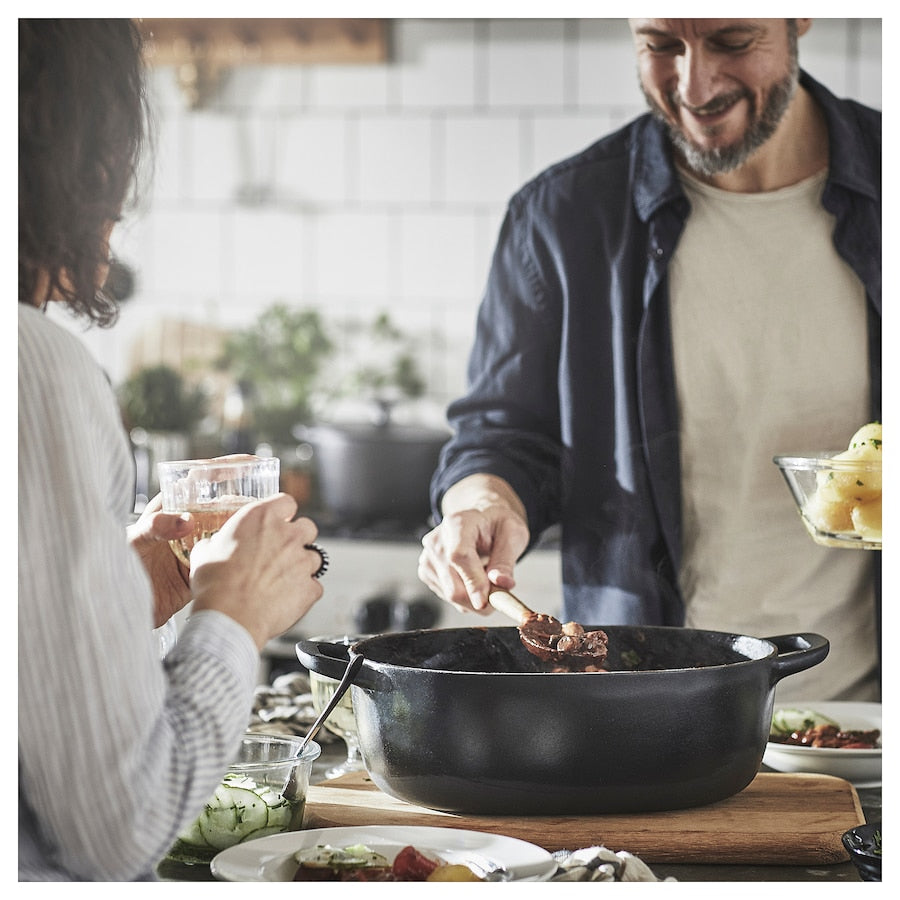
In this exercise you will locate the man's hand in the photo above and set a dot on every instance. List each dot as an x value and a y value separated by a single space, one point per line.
150 536
481 537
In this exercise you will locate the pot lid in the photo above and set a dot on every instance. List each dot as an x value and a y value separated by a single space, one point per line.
367 431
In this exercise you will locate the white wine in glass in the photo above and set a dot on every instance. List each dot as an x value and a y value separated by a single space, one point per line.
213 490
342 720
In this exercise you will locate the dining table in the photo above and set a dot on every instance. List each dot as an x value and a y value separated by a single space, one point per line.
678 860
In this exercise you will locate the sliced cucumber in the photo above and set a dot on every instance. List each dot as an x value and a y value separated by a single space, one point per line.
217 825
786 720
239 809
268 796
192 835
232 779
232 814
280 815
252 811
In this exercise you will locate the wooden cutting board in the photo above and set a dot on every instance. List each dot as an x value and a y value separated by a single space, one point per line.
778 819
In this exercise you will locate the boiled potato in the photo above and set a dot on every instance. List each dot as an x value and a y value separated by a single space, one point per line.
831 515
868 438
850 483
453 872
849 499
866 519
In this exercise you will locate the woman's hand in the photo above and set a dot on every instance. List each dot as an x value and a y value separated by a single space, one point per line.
150 536
259 568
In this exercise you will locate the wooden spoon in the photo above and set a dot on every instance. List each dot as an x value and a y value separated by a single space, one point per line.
568 646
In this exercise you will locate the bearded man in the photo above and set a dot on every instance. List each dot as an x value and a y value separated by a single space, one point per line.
665 312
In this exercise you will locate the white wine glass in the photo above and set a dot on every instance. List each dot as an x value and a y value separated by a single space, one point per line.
213 490
342 720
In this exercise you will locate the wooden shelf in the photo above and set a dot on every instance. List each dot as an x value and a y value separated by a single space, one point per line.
233 42
203 51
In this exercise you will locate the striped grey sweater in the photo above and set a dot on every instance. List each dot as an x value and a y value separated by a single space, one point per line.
117 750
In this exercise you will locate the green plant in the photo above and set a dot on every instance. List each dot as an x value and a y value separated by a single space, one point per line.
157 398
384 363
277 363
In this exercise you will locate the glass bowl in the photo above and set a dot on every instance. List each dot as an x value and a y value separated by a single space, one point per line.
839 500
262 793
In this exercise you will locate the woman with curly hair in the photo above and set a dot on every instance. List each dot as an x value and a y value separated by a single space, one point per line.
118 750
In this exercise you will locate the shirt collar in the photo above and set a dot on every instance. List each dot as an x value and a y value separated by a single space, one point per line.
849 163
656 180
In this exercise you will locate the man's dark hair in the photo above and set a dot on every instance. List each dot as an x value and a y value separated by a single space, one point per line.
82 119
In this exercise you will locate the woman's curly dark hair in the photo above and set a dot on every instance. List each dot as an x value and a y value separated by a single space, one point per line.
82 120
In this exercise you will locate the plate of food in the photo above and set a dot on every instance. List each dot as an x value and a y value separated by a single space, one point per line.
384 853
829 738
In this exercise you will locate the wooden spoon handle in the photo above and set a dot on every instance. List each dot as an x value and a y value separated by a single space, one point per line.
510 605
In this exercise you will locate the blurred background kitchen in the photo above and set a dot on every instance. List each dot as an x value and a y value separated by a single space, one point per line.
312 250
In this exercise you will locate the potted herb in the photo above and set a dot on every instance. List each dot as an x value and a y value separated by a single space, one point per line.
381 364
370 465
161 412
277 362
158 399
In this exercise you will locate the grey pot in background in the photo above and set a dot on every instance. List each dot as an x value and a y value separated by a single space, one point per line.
375 472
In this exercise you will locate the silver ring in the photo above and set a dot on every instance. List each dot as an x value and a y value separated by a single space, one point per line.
321 551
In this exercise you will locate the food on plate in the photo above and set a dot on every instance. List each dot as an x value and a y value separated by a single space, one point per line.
360 863
240 810
808 728
326 863
788 719
848 496
831 736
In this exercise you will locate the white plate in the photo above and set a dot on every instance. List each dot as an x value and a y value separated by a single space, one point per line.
862 768
272 858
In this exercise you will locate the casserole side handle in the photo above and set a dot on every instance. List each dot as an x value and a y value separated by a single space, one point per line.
323 657
331 660
797 652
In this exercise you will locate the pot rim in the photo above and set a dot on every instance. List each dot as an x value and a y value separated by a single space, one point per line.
784 654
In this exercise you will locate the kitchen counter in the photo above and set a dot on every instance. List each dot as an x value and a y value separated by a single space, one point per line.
870 801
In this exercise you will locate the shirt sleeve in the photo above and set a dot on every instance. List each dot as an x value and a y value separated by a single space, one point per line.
117 750
507 424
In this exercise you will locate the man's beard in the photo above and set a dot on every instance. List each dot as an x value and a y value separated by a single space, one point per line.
720 160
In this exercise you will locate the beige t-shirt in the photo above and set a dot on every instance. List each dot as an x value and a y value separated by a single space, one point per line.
769 331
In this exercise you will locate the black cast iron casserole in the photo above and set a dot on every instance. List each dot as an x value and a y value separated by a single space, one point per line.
465 720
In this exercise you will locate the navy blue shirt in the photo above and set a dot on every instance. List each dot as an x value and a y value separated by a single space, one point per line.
571 394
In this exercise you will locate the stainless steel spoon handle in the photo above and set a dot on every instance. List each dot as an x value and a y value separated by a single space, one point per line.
339 691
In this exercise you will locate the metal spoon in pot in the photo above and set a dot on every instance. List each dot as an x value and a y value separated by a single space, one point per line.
339 691
567 645
291 788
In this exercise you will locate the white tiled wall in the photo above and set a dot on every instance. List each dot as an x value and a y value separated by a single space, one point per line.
362 188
